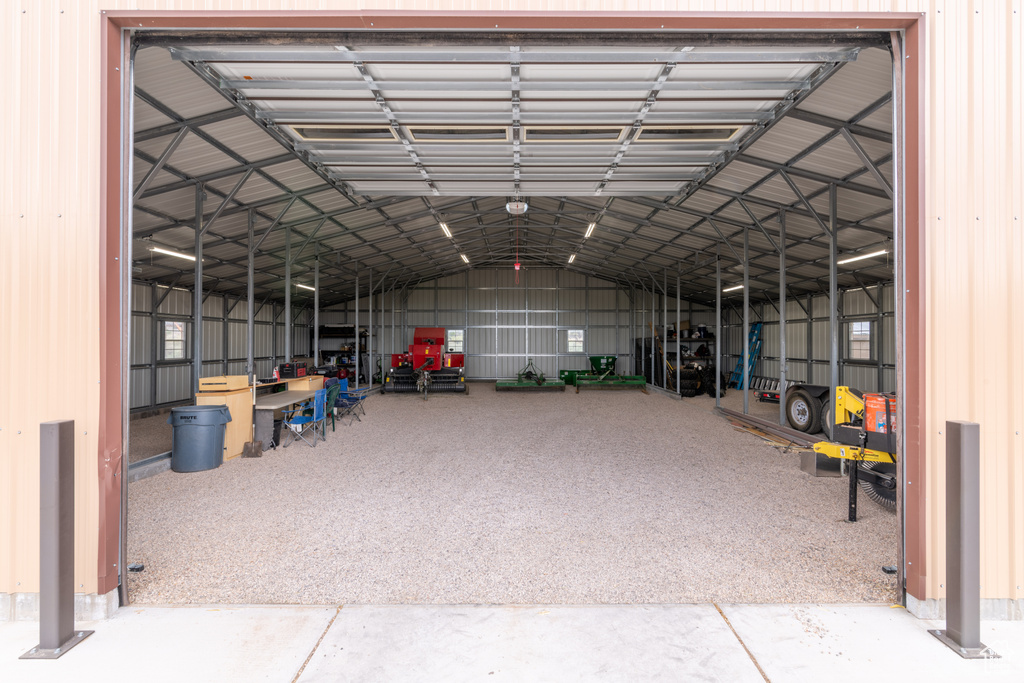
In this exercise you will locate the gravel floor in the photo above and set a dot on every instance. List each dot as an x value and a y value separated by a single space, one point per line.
512 498
148 436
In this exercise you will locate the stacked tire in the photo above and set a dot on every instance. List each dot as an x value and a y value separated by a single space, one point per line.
708 381
689 382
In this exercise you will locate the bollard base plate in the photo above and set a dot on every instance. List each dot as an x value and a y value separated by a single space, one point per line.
43 653
982 652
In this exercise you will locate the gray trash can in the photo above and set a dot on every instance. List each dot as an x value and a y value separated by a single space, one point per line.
197 437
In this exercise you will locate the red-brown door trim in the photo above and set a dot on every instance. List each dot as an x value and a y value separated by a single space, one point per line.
113 73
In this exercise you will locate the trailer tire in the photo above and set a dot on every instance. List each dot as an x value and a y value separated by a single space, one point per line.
803 412
687 393
826 412
825 418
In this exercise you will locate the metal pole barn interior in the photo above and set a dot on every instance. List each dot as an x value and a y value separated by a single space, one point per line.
285 183
366 204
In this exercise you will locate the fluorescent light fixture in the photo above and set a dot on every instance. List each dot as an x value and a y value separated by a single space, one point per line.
733 289
590 230
464 259
572 257
173 253
862 257
305 287
447 232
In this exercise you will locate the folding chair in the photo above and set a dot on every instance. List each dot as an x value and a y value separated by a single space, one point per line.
301 426
350 402
332 398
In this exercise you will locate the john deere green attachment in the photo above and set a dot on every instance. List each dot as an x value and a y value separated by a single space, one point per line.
602 376
529 379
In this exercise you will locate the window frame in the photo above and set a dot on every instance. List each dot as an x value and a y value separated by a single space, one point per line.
164 339
462 340
872 356
569 341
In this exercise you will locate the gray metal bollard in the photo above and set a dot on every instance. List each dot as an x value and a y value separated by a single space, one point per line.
963 542
57 632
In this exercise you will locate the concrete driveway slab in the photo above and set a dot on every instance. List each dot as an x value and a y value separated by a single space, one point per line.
543 643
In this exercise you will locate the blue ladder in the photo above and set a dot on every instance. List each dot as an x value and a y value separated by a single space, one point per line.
754 344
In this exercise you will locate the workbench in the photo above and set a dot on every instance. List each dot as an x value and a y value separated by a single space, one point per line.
241 403
267 405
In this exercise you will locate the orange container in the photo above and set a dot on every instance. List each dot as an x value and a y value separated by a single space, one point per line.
874 413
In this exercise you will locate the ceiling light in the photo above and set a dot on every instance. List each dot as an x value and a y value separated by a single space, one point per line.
687 133
572 257
733 289
328 132
590 230
517 208
173 253
465 260
306 287
572 133
862 257
447 232
459 133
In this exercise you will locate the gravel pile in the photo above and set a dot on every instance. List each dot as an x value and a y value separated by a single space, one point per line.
511 498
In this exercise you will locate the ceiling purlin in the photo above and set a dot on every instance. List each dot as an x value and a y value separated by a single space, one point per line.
552 238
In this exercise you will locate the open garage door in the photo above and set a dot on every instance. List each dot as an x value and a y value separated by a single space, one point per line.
371 163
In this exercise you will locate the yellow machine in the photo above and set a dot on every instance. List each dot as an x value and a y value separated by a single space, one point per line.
864 434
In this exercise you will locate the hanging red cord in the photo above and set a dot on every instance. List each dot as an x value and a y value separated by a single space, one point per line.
517 249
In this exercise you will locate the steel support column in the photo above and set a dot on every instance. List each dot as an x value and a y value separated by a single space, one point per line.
718 327
879 336
679 336
197 295
154 342
664 328
393 319
288 294
643 324
369 329
746 320
654 302
833 302
250 312
782 318
810 339
355 328
316 307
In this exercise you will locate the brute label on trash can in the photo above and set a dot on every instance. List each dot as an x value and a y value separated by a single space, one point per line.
197 437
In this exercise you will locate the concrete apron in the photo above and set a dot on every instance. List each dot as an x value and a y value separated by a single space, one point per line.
734 643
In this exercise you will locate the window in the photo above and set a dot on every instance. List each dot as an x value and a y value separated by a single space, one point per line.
455 341
860 341
575 341
174 340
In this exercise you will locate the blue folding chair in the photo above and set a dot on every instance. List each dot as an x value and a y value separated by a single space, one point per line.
303 426
350 402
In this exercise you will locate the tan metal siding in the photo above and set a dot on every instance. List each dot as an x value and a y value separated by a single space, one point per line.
975 266
975 254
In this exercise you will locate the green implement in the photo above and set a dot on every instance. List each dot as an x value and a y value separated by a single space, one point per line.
529 379
602 376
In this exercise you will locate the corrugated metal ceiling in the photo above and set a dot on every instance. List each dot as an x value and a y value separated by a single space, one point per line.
377 204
